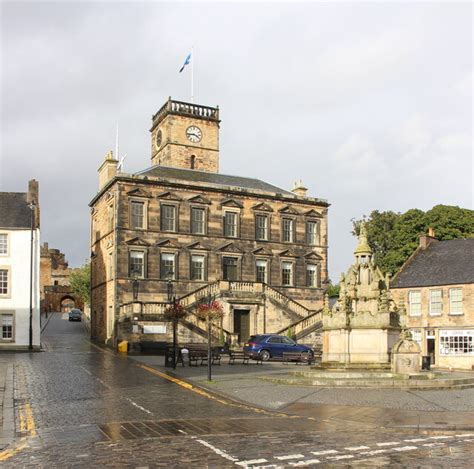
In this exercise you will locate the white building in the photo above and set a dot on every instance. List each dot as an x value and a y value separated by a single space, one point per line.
18 212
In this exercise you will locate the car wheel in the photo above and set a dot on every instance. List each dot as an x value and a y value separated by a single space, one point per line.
265 355
306 356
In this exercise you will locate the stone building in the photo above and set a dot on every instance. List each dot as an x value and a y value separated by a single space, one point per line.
55 290
365 323
259 249
437 285
19 269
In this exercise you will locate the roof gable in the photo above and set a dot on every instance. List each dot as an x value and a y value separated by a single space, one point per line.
137 241
138 192
199 199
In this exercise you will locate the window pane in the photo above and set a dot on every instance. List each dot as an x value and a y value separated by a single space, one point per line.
197 220
288 228
311 276
168 218
229 268
230 224
261 222
312 232
197 267
287 273
3 282
436 303
137 211
167 266
261 268
137 263
3 243
455 299
7 326
415 302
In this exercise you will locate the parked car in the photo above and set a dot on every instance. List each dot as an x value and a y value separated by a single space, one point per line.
266 346
75 315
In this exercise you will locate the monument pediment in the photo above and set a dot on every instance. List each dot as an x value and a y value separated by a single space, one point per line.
168 196
289 210
168 243
197 246
313 256
199 199
232 203
262 207
230 247
137 241
139 192
262 252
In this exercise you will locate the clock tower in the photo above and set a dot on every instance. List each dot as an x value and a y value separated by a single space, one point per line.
186 135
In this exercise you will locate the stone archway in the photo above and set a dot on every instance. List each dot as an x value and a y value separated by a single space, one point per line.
67 303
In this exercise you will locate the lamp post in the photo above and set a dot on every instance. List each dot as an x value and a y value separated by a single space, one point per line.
172 306
135 287
32 207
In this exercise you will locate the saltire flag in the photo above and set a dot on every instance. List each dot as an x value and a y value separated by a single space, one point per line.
186 62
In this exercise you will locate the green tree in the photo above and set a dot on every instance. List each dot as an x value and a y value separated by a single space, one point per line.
80 281
333 290
394 236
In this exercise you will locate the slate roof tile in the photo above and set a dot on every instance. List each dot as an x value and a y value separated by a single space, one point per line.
14 210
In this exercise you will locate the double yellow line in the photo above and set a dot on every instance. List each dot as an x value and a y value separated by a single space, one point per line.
27 426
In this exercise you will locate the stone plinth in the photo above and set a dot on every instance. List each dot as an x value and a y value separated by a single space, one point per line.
406 355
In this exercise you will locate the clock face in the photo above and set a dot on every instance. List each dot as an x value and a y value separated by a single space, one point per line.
193 134
158 139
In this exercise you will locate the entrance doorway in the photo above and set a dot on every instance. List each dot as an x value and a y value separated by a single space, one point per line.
431 345
242 324
67 304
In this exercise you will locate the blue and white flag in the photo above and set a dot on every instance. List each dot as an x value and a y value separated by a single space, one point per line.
186 62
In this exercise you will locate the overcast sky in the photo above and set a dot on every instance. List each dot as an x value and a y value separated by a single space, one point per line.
369 103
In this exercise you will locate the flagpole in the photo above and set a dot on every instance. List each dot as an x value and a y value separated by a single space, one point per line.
117 143
192 74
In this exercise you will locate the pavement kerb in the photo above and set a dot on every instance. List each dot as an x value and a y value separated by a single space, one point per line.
43 326
7 431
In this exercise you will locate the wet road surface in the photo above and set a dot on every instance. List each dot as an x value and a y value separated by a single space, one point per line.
78 405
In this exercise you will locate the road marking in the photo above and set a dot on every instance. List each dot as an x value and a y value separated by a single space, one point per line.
290 456
356 448
10 452
182 431
250 462
388 443
342 456
405 448
440 437
416 440
307 462
218 451
321 453
27 421
431 445
139 406
375 451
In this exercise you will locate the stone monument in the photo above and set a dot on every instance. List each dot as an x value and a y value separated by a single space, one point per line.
406 355
365 322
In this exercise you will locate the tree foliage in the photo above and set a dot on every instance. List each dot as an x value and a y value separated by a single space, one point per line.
394 236
80 281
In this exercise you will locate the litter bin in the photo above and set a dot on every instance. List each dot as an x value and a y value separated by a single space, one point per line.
123 346
426 362
169 357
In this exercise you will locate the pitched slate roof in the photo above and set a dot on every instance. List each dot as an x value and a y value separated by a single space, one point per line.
441 263
193 175
14 210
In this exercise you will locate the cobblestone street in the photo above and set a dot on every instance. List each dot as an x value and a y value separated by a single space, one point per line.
77 405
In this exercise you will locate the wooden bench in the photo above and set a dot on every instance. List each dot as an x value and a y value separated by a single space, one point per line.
198 352
297 357
238 355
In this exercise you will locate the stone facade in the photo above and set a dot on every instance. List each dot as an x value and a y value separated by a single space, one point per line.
259 249
55 290
365 323
440 311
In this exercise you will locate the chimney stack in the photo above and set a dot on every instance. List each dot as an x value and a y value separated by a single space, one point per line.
426 240
108 169
299 189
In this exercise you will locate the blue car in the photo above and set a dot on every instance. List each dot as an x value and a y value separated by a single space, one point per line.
268 346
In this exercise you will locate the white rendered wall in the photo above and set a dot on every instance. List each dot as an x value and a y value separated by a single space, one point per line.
18 300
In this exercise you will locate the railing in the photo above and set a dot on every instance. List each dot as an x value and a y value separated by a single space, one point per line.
186 109
292 305
303 324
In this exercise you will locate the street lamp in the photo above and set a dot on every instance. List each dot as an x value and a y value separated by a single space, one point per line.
32 207
172 307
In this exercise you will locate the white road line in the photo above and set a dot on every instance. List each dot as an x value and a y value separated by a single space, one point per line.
306 462
290 456
416 440
356 448
321 453
405 448
251 462
375 451
139 406
431 445
342 456
182 431
388 443
441 437
218 451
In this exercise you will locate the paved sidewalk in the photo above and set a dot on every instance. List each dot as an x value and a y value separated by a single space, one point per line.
389 408
7 423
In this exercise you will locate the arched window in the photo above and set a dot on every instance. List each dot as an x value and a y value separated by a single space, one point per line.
193 162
